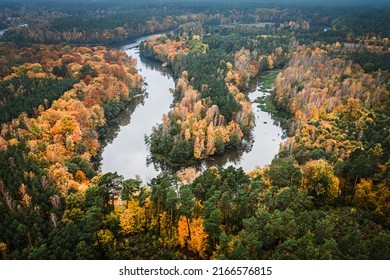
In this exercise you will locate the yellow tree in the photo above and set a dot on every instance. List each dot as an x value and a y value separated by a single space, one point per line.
210 146
320 181
133 218
197 242
365 197
182 230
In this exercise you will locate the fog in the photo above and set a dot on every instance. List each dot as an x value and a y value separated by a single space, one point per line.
276 3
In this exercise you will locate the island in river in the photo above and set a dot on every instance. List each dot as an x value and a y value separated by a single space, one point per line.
127 153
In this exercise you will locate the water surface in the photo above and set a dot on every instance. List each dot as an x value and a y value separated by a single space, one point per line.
127 153
263 143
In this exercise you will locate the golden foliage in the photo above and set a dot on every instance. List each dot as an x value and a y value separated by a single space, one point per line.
201 121
133 218
182 230
77 115
317 87
196 239
319 179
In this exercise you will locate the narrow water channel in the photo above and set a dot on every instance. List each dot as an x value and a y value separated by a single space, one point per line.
127 153
265 139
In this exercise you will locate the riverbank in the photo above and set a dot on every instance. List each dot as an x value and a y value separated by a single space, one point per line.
125 152
263 143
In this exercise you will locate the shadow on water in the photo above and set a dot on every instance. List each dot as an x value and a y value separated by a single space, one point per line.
112 131
124 149
262 144
232 156
259 147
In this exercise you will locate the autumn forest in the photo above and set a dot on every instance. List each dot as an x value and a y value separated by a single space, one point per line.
65 80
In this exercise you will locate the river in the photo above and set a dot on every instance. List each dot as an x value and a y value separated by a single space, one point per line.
127 152
264 143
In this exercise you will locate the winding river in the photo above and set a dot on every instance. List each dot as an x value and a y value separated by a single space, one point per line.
127 152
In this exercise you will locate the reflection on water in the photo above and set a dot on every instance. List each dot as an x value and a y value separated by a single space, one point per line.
261 146
125 151
258 148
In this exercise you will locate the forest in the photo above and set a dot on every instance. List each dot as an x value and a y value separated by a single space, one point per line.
64 82
213 113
